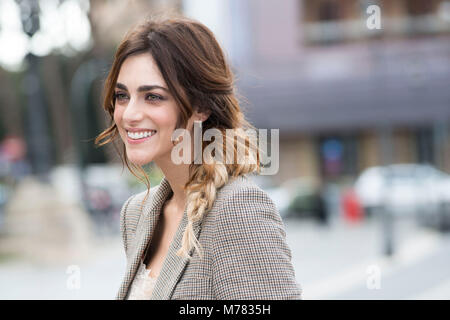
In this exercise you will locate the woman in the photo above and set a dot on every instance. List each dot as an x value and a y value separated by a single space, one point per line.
206 231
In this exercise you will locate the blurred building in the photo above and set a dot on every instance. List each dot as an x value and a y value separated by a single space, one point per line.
346 97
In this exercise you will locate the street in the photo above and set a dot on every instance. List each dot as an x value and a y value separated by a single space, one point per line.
339 262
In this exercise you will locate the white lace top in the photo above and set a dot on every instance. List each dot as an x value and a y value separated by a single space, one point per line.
143 284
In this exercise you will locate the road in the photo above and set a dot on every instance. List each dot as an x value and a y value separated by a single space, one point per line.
345 261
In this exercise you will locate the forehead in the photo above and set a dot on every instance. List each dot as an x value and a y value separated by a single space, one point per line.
139 70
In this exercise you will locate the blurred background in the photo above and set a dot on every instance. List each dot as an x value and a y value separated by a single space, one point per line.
360 96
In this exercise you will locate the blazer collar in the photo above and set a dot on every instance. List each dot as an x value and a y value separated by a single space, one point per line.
173 265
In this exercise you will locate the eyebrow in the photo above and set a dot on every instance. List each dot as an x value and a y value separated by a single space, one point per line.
143 88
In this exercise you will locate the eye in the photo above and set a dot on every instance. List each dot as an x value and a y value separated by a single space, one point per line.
120 96
154 97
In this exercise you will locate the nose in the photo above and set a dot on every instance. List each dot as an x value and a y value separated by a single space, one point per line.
133 112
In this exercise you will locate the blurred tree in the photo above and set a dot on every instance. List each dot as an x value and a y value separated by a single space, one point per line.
36 123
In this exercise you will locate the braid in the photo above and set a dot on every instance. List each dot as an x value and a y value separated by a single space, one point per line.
201 194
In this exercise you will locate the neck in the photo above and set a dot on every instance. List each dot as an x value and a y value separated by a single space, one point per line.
177 176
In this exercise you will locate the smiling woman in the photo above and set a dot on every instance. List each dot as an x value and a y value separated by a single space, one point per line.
146 114
206 231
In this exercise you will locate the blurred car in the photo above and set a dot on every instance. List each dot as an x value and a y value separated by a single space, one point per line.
418 190
107 183
299 197
306 199
101 189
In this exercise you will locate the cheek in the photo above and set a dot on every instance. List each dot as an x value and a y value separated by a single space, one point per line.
166 121
118 116
117 120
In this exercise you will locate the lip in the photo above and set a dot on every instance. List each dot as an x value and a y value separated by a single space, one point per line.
138 129
141 140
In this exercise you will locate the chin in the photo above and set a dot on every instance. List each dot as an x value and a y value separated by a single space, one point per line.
140 162
139 159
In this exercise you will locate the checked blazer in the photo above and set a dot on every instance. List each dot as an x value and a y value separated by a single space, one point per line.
245 254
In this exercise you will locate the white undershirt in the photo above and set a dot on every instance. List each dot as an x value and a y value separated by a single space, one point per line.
143 284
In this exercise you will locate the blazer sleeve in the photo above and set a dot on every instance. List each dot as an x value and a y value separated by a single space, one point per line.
123 225
251 259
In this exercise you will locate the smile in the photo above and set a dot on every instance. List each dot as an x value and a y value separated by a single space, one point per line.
141 136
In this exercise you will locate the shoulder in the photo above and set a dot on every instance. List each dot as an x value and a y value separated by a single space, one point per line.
250 255
239 186
243 199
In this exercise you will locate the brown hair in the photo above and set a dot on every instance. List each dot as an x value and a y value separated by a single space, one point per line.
198 76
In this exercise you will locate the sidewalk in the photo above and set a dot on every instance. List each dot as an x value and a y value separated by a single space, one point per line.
330 263
337 262
99 277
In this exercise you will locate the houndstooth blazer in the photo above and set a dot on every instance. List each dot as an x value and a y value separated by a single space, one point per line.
245 254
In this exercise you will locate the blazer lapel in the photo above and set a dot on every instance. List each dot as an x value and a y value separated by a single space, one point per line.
150 215
173 265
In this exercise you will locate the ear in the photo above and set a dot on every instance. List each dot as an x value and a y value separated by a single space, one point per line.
202 116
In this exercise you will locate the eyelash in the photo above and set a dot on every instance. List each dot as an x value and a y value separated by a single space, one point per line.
118 95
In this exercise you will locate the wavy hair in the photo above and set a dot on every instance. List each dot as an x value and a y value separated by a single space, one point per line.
199 78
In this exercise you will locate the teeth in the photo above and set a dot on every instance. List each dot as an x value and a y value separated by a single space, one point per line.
140 135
